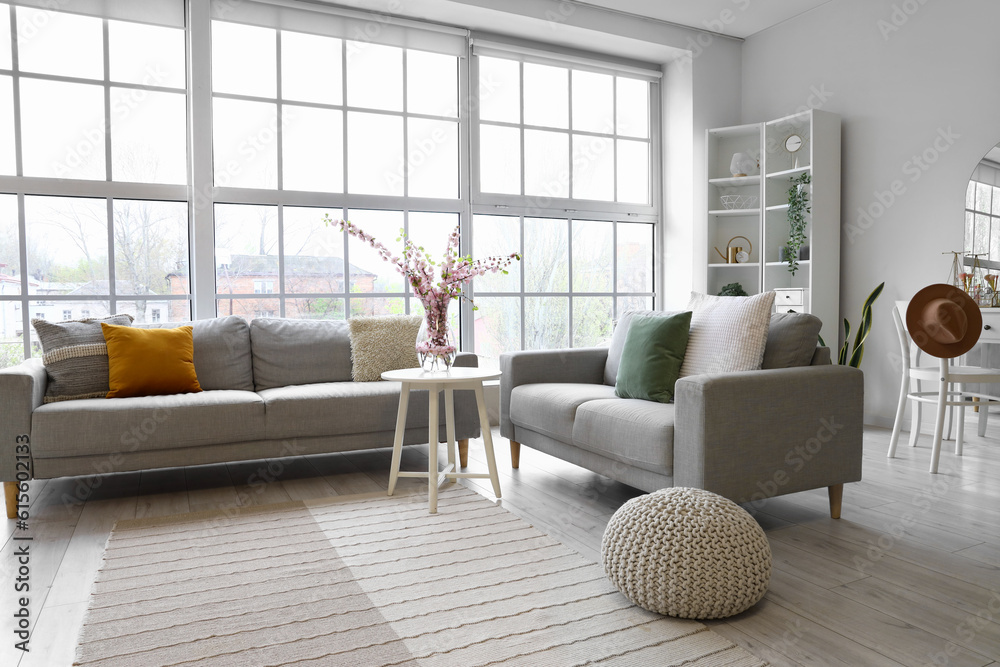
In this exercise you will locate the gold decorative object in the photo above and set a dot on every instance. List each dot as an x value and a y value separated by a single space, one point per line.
735 253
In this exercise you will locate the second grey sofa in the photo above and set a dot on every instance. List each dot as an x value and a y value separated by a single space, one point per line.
272 388
794 425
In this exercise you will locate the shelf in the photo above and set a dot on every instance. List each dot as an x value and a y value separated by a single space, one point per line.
789 173
802 262
749 130
727 212
727 265
777 207
735 181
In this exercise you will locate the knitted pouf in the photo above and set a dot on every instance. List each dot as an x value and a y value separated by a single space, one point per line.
687 553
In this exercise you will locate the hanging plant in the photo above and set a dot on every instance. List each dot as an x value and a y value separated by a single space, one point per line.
798 209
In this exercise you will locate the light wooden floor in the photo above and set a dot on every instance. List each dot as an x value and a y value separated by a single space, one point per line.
909 576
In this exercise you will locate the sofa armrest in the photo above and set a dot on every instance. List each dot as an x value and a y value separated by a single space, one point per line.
821 357
756 434
467 360
22 388
578 365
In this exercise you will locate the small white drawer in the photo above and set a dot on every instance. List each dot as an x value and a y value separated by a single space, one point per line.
991 325
788 308
789 297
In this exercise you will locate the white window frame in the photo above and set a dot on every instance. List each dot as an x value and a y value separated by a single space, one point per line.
334 22
201 193
566 209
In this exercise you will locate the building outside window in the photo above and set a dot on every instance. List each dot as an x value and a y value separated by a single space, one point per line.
263 287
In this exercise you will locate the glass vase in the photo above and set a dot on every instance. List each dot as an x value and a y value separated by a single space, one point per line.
436 347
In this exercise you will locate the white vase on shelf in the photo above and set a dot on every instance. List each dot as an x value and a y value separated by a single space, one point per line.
742 165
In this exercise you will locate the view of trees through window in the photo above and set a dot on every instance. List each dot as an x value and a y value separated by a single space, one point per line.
554 161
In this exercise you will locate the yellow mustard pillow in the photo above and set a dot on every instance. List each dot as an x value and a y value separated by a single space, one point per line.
150 362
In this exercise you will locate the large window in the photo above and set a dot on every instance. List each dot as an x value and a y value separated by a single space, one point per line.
166 169
307 125
570 149
93 170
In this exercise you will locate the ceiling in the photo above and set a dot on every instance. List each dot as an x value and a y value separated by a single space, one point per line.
736 18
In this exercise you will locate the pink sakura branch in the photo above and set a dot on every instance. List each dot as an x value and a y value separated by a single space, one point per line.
435 290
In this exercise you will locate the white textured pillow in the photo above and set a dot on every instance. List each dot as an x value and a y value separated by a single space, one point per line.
382 343
728 333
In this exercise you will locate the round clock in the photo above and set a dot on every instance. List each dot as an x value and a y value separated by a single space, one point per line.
742 256
793 143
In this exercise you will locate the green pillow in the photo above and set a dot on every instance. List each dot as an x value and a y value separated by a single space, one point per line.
652 357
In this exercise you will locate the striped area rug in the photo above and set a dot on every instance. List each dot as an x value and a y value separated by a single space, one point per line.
366 581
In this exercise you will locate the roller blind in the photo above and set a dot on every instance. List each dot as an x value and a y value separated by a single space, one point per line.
603 65
158 12
322 19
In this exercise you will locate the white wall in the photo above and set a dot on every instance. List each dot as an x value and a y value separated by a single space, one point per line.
918 95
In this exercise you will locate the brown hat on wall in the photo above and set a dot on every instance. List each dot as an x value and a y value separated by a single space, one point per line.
944 321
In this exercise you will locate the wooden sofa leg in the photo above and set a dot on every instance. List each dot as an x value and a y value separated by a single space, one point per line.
836 496
463 452
10 498
515 454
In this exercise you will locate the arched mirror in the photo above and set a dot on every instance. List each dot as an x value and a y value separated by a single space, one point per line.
982 212
982 239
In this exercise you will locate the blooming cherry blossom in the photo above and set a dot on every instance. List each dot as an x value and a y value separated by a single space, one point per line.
434 288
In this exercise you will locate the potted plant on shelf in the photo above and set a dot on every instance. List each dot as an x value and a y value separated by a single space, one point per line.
733 289
798 209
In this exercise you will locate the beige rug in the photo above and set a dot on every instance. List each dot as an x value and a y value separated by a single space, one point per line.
369 580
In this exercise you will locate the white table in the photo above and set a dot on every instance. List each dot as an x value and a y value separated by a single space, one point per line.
434 382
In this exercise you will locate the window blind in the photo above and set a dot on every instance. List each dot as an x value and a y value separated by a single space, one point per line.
168 13
322 19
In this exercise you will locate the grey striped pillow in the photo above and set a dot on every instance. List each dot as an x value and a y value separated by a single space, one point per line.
76 357
728 333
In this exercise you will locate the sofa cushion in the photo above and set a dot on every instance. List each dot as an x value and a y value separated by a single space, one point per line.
651 360
728 333
145 423
150 362
221 351
293 352
382 343
638 433
341 408
75 355
550 408
791 340
618 340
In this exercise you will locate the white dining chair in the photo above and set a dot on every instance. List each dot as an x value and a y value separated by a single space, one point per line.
944 375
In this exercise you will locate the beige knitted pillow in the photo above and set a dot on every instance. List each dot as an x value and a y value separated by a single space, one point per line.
728 333
382 343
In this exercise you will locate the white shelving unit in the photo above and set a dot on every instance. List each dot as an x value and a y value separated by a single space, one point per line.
724 224
815 287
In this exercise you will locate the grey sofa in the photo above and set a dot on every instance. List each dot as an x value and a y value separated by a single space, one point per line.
272 388
794 425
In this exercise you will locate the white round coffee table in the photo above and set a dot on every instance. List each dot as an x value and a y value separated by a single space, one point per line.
434 382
